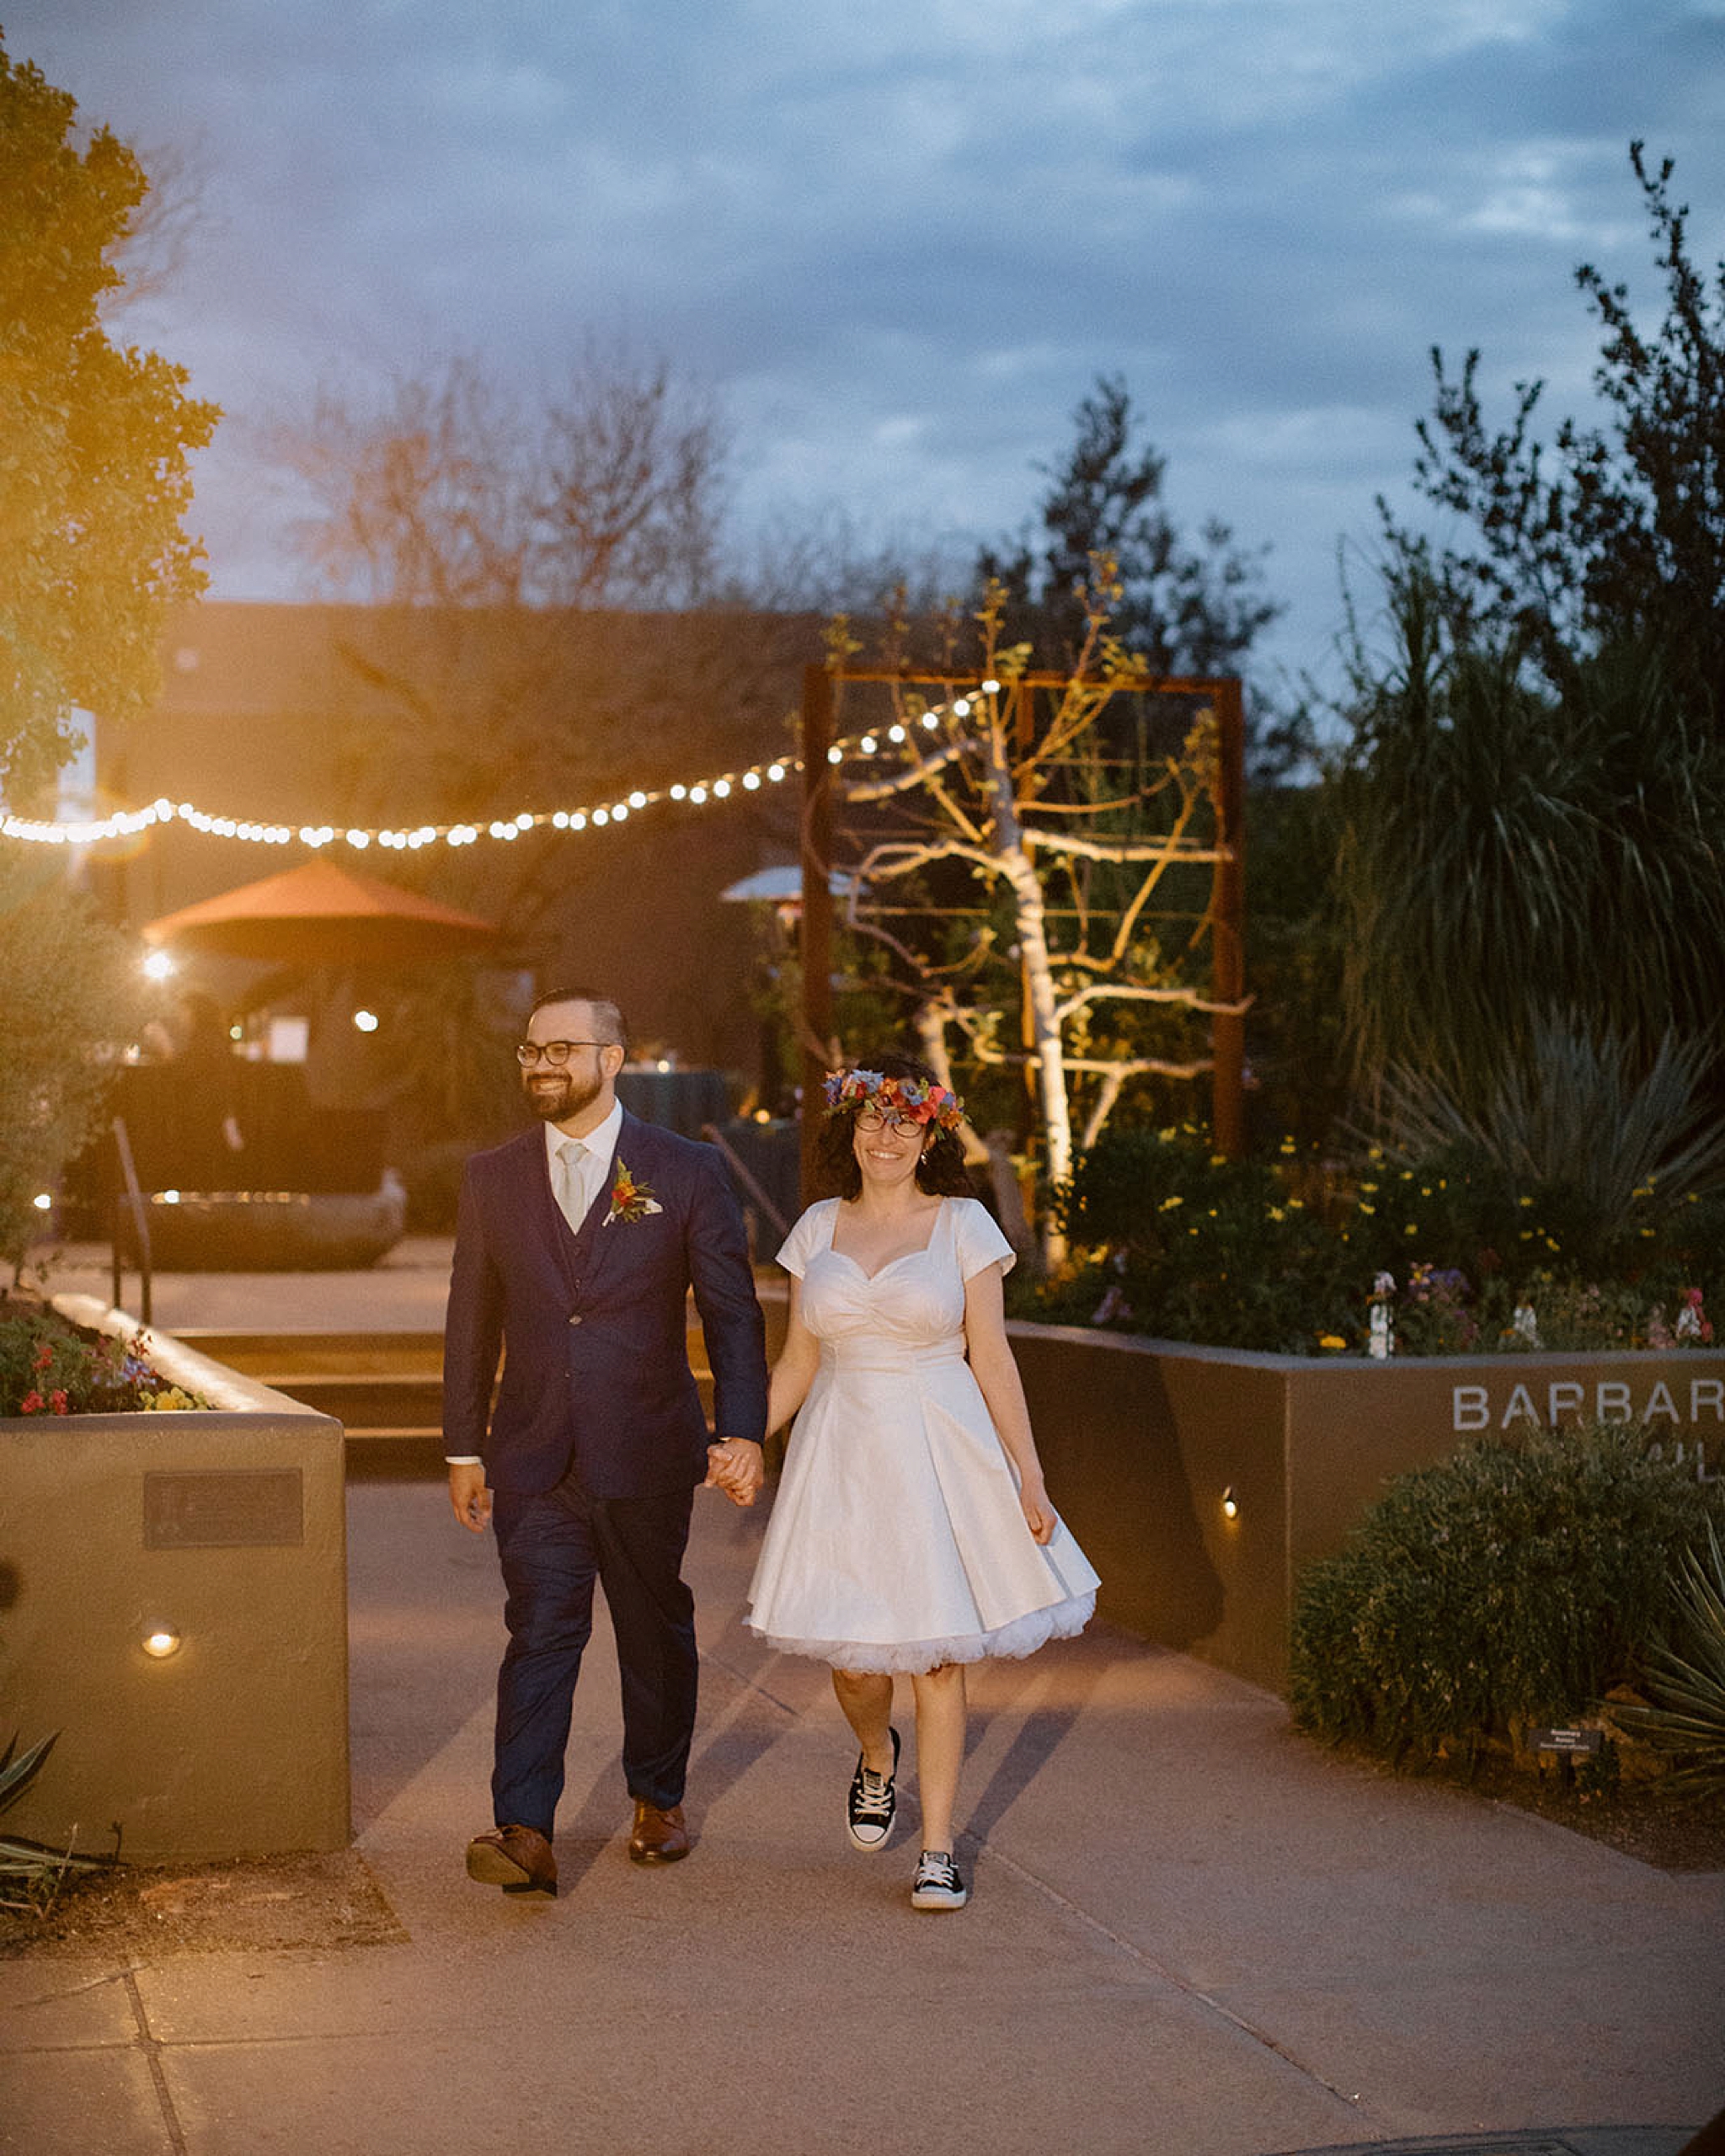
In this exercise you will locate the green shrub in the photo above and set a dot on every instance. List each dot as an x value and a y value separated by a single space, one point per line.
72 994
1509 1585
1281 1254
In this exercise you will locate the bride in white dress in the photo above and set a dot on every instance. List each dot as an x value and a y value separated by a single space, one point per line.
912 1532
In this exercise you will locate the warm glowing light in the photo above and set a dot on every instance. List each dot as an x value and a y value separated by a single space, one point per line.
160 1641
44 1201
158 966
128 822
366 1021
1231 1506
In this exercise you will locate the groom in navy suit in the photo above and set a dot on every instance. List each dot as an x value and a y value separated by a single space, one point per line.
576 1244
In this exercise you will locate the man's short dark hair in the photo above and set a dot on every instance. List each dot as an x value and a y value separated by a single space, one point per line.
608 1020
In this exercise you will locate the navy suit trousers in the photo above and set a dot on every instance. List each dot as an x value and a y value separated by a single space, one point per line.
553 1548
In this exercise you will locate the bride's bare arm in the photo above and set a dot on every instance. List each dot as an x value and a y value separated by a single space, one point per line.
991 1362
794 1372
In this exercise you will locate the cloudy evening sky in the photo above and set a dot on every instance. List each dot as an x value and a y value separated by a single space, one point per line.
901 239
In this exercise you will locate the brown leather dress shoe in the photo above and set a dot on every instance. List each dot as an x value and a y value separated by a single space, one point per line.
659 1837
517 1859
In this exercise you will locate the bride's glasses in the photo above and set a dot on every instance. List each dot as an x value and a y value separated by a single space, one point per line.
872 1119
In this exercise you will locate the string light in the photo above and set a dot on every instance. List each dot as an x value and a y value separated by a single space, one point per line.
131 823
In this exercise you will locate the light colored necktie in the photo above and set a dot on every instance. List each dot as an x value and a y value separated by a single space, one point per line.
567 1182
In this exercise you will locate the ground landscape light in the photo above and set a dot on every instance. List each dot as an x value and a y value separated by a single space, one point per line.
161 1641
1230 1503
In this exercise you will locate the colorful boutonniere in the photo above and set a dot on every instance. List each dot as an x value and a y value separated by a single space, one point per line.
631 1198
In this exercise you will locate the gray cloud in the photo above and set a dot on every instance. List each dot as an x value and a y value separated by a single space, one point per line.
901 242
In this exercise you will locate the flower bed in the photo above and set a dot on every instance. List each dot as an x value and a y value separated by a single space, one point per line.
51 1365
176 1605
1290 1256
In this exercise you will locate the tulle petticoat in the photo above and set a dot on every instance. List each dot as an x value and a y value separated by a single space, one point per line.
1011 1642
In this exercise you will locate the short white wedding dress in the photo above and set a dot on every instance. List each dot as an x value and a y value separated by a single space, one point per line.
896 1542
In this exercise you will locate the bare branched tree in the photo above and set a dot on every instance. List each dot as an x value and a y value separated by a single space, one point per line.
455 491
1011 787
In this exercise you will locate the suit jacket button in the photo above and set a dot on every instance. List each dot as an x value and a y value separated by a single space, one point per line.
576 1319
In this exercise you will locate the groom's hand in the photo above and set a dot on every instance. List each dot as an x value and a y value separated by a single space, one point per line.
469 1497
737 1466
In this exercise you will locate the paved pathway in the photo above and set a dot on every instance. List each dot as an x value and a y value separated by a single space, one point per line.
1192 1935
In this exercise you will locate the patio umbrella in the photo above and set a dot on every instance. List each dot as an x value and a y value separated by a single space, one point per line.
321 914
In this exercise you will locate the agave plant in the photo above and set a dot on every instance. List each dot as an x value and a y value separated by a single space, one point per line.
27 1868
1579 1107
1686 1714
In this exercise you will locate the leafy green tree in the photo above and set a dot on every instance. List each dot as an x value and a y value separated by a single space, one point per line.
1509 852
94 480
1614 535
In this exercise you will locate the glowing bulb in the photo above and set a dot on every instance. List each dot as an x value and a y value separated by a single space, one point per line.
365 1022
869 744
775 772
991 688
835 754
160 1641
44 1201
961 708
158 966
1230 1505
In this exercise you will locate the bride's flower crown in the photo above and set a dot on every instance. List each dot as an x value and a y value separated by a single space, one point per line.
918 1099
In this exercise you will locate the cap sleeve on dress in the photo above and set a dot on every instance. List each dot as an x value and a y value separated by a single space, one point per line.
805 1238
980 1243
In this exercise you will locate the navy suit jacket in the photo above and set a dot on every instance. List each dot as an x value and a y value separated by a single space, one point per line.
592 1326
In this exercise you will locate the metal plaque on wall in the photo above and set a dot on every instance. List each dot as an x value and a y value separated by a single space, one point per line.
224 1509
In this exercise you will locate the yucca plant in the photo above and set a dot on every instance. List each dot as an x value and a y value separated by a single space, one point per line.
1506 850
1686 1714
1579 1111
27 1869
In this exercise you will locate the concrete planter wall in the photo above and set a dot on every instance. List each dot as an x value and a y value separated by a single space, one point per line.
1143 1440
229 1527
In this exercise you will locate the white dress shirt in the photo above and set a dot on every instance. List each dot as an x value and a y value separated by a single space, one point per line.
592 1163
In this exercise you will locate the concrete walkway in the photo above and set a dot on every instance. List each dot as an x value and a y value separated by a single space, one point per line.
1191 1934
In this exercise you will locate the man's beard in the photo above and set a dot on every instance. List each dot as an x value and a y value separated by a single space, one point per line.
569 1097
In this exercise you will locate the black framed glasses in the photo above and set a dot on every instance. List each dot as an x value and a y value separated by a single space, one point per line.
555 1053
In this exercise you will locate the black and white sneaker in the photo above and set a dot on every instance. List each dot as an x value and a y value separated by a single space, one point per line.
937 1885
872 1803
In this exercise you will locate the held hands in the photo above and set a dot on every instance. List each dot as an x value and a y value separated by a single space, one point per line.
1038 1513
736 1466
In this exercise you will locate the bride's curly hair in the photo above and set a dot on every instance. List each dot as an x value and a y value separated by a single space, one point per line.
940 1167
